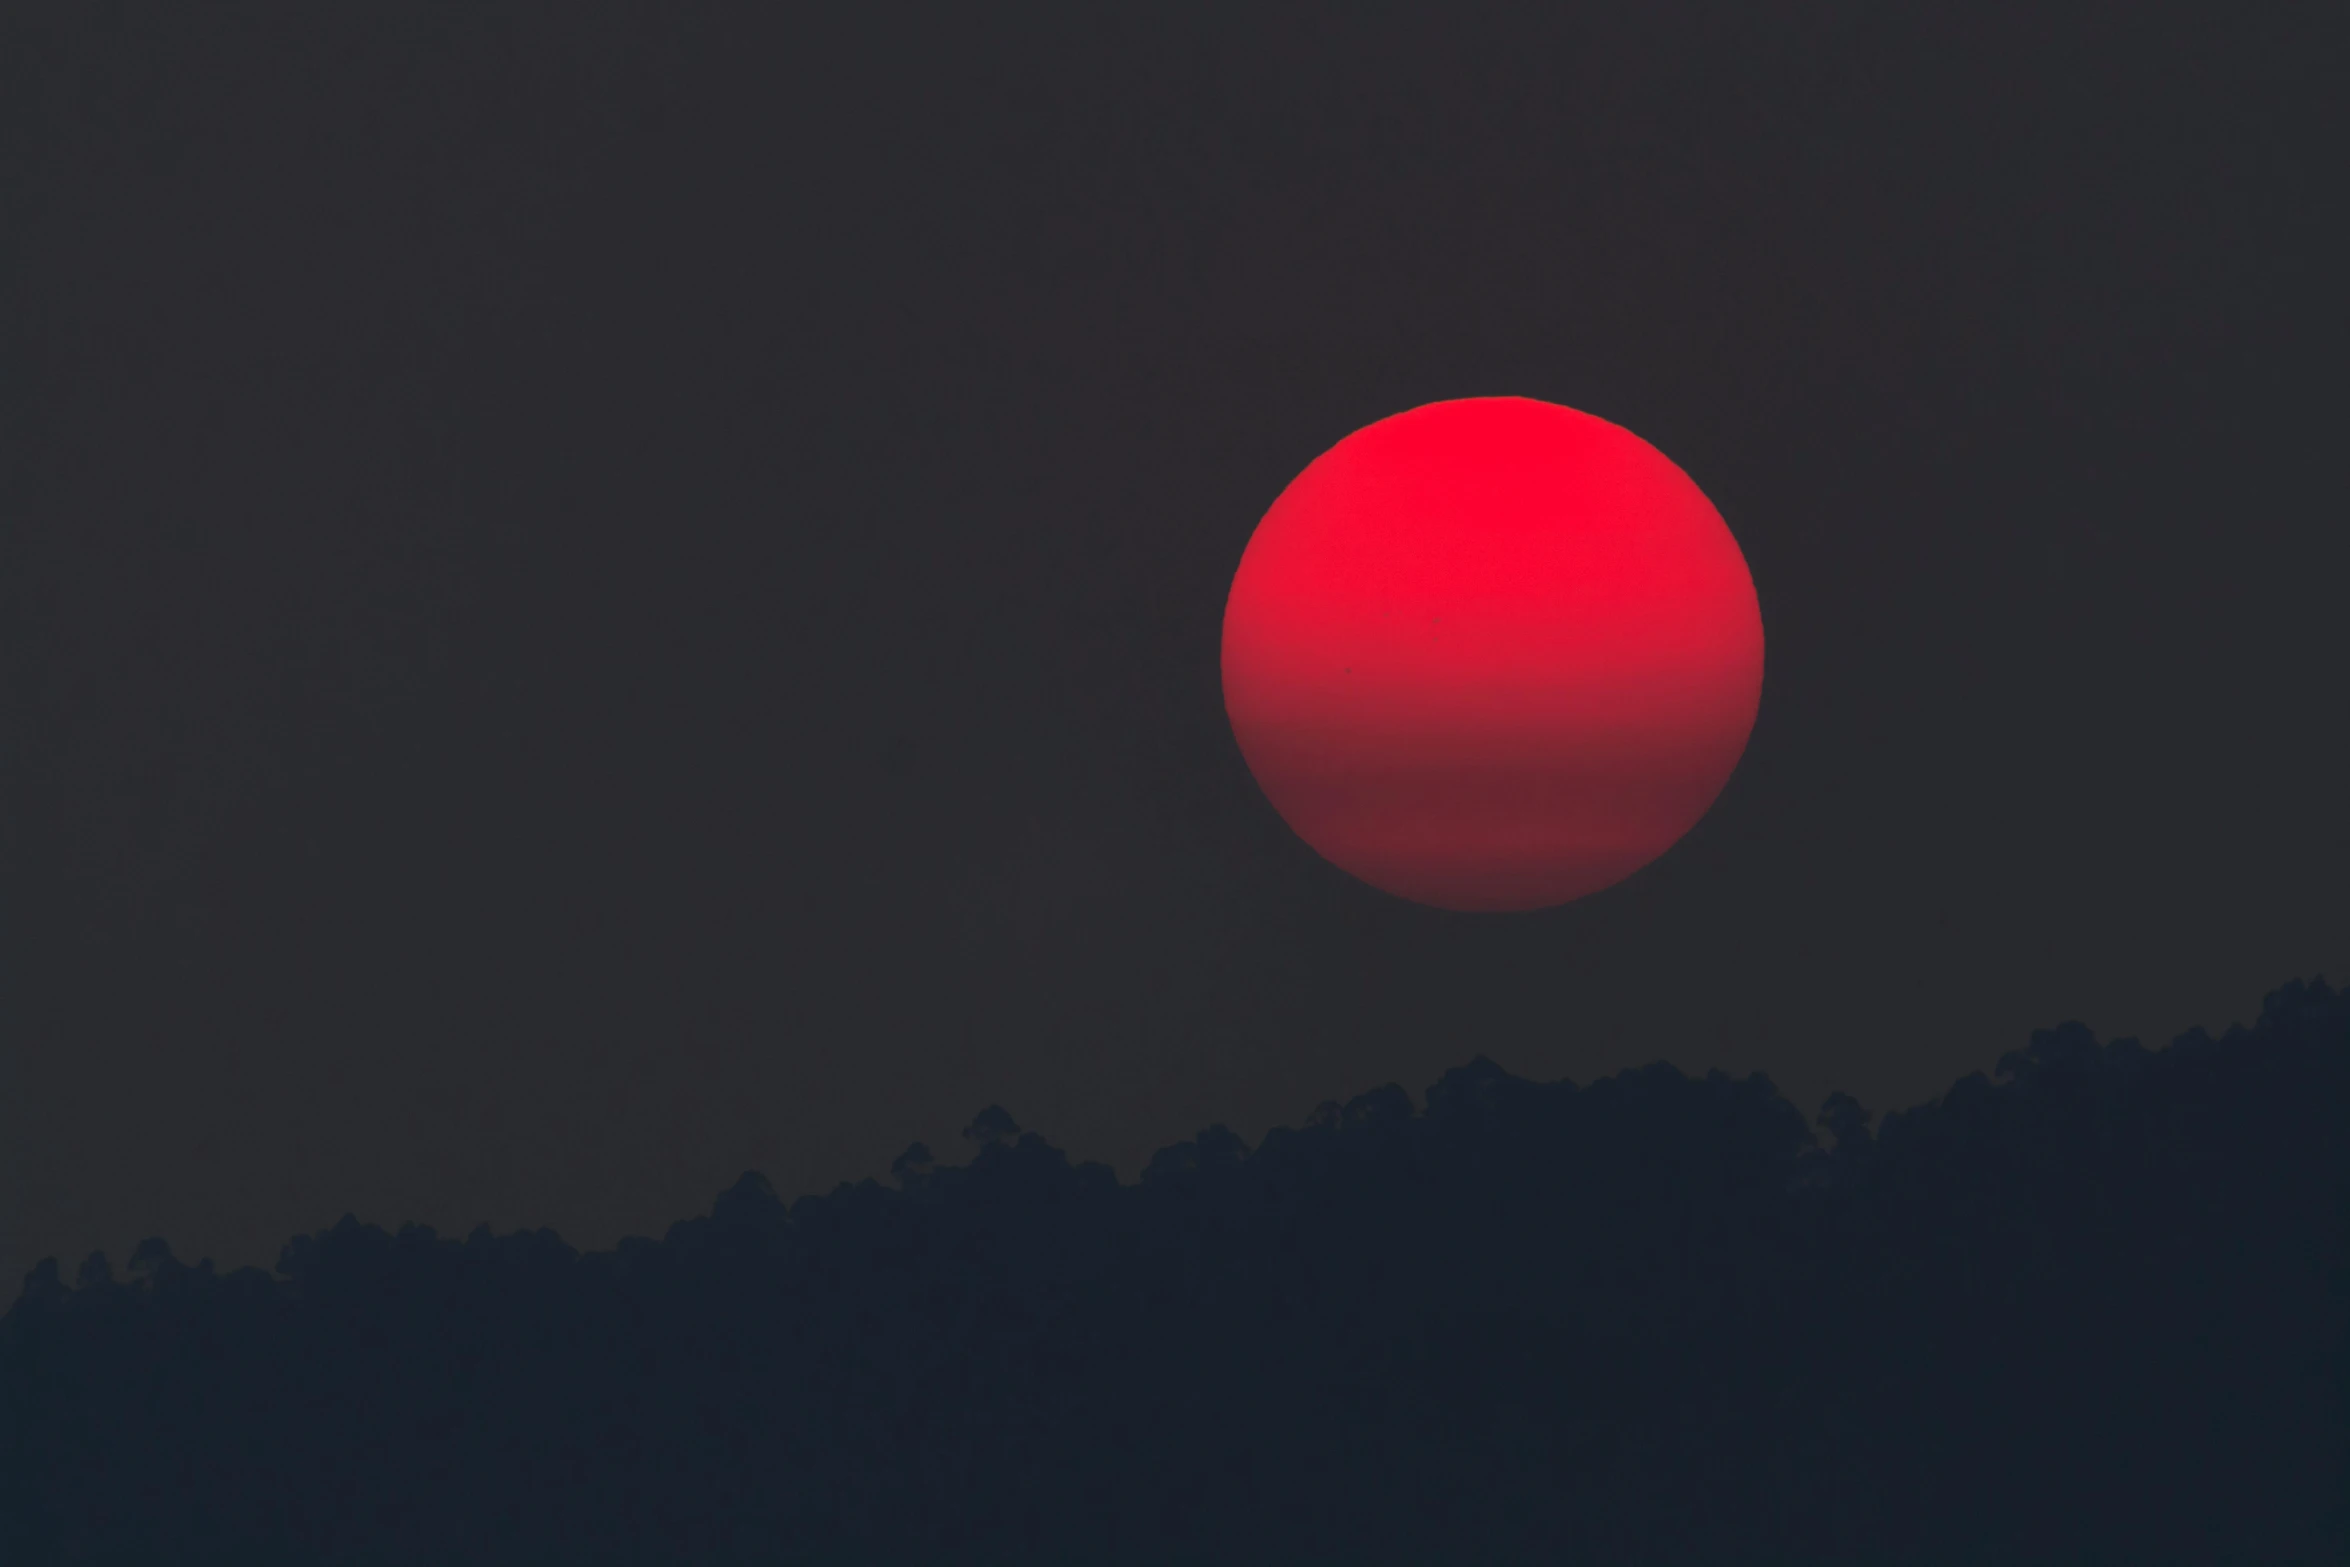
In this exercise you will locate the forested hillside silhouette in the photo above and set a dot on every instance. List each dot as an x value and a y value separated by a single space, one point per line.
2090 1309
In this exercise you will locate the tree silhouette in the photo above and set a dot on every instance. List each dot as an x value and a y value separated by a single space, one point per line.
2089 1307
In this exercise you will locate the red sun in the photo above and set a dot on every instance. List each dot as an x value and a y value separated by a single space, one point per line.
1492 654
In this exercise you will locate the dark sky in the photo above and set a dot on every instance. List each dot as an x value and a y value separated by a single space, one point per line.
598 598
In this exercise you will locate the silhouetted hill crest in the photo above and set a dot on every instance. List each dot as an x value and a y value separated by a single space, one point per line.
2073 1309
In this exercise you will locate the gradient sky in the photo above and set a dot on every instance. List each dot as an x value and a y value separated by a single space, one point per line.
597 598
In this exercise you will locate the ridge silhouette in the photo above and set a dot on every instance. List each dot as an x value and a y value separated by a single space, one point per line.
2089 1308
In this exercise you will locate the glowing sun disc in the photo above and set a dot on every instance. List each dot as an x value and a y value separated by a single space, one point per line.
1492 654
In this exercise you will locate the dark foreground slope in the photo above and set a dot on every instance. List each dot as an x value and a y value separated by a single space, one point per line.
2094 1310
